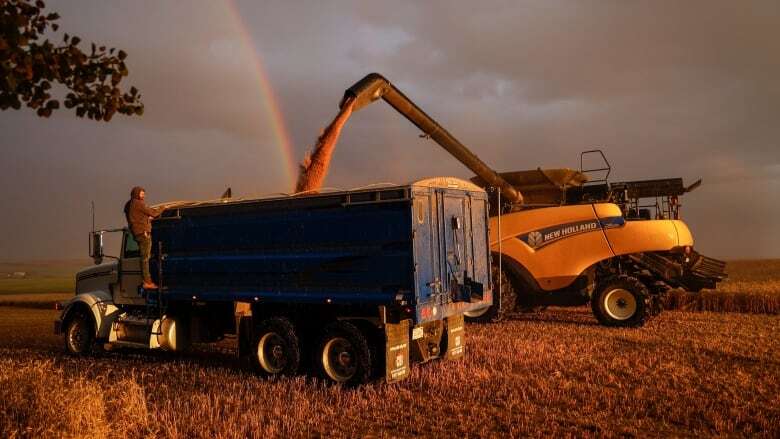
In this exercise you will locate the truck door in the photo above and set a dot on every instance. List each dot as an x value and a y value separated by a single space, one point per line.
452 229
129 272
477 239
426 271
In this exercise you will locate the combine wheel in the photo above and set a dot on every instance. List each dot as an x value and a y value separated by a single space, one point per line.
276 348
506 296
343 355
79 333
621 301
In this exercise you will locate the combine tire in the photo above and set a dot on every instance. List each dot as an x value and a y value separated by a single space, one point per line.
276 348
79 334
343 355
505 296
621 301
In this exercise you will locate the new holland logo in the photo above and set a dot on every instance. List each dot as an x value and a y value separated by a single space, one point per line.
535 239
540 238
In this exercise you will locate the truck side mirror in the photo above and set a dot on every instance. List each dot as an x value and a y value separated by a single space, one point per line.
96 247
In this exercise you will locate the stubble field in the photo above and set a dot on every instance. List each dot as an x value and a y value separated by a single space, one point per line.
551 373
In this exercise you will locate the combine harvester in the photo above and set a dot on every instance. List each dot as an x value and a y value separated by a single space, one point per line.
569 243
353 284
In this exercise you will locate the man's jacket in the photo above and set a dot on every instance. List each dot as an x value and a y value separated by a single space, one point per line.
138 217
138 214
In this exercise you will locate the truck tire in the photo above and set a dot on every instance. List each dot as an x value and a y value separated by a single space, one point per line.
275 348
343 355
79 333
621 301
505 295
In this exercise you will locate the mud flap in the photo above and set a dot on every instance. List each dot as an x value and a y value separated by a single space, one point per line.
456 337
244 330
396 351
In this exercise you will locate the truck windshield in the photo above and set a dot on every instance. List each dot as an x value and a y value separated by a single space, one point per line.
131 247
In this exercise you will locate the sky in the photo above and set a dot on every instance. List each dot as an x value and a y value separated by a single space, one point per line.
236 92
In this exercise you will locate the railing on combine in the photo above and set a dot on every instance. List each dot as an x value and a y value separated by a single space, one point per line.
607 169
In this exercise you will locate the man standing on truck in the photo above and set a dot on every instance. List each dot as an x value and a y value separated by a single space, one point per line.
139 221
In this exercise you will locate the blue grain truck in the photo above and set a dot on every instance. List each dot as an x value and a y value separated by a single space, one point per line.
348 285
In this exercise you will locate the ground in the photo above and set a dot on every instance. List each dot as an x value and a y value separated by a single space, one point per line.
548 374
551 373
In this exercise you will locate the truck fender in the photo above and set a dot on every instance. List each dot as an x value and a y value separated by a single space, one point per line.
101 306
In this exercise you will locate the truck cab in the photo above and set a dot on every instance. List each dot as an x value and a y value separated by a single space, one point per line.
118 276
104 292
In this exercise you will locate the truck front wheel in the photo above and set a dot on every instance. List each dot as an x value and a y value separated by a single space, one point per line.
79 333
621 301
343 355
276 347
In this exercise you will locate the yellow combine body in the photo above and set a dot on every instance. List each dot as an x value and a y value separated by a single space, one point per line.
568 245
556 245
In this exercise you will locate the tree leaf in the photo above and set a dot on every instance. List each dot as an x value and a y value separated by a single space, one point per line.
28 67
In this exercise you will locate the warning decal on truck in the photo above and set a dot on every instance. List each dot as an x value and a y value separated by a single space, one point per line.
456 337
397 351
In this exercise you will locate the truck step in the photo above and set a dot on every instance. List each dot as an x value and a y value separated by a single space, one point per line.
135 321
133 329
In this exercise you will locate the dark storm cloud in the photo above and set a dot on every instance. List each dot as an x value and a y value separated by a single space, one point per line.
666 88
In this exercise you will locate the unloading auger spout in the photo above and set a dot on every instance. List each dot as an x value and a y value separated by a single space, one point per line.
374 86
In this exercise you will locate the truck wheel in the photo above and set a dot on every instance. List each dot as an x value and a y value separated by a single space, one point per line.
79 334
506 295
276 347
343 355
621 301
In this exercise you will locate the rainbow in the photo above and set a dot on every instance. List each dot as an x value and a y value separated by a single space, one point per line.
269 98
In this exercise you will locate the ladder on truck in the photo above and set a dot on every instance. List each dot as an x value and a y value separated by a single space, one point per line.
156 305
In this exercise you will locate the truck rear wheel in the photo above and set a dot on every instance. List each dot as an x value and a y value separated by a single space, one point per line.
343 355
505 296
79 334
276 347
621 301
